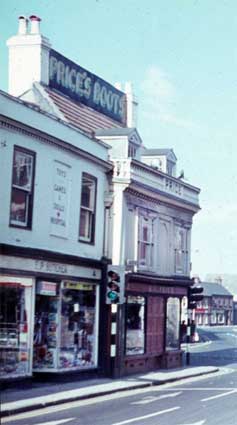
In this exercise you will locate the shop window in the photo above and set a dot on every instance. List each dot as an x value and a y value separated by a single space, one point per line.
172 323
78 326
88 208
22 188
46 326
145 242
135 325
15 322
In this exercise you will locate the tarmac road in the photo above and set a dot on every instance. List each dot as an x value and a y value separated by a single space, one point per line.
209 400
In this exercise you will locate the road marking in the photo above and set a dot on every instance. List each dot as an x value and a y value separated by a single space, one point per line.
219 395
150 399
230 334
151 415
197 423
60 421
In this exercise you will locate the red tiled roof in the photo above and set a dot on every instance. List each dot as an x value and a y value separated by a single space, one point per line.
81 116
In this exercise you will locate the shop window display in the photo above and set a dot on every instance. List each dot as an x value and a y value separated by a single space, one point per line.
46 326
135 325
78 326
14 329
172 323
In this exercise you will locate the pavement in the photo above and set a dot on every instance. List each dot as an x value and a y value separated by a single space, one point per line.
22 399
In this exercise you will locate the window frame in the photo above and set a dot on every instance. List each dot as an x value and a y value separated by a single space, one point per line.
172 327
142 329
132 150
90 210
28 192
181 250
148 244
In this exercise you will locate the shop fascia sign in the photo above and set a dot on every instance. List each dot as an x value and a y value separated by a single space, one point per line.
78 286
85 87
46 288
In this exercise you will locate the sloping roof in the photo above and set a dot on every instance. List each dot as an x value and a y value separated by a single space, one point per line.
126 131
214 288
130 132
79 115
158 152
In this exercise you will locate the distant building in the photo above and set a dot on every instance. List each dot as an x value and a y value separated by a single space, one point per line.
216 308
229 280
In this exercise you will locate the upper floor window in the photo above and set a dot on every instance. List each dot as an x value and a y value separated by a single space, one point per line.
170 168
132 150
180 250
145 241
88 208
22 188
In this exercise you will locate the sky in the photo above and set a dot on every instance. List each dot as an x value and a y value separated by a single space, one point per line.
181 57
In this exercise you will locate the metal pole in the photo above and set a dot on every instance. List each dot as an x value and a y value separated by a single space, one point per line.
188 339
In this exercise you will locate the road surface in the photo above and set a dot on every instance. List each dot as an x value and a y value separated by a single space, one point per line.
209 400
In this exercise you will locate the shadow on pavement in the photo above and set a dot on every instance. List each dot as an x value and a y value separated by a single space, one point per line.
213 358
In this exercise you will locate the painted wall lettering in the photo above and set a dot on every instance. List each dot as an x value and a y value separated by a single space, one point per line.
60 202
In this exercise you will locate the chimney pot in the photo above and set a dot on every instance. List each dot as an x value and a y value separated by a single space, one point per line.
23 25
35 24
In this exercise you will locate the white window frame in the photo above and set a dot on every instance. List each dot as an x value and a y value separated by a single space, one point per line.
132 150
180 250
21 166
147 244
88 210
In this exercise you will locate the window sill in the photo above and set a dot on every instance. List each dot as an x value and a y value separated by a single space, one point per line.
86 242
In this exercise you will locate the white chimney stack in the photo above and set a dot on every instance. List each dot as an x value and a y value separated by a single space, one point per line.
35 24
28 57
23 25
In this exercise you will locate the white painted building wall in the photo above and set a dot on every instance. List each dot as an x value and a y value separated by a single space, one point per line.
124 234
46 153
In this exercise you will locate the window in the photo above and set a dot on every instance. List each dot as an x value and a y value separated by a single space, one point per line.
180 250
15 327
170 168
145 241
172 323
78 325
135 325
88 206
22 188
132 150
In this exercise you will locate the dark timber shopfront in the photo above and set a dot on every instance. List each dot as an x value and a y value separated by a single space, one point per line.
149 335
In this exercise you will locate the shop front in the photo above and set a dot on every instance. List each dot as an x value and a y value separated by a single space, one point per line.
49 315
152 324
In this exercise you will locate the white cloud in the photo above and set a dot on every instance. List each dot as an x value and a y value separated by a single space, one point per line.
159 98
